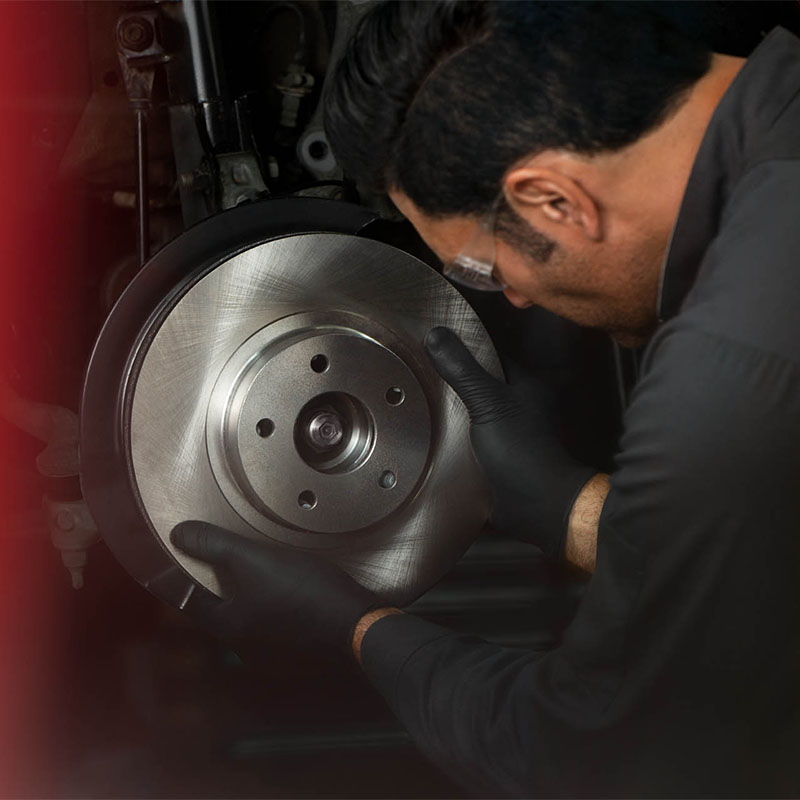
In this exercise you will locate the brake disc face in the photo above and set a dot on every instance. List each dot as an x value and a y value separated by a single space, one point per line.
285 394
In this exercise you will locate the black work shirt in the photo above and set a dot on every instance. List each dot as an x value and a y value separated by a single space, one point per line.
680 674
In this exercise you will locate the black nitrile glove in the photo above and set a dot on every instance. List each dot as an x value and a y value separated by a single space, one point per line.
533 479
278 594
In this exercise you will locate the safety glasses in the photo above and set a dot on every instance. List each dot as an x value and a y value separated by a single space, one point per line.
473 267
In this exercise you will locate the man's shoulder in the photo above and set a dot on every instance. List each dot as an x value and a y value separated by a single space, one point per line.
748 286
779 121
711 413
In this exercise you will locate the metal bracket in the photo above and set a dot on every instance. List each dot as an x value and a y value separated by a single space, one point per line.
73 531
240 178
140 52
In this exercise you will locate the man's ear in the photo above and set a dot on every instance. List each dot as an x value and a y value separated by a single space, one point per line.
546 198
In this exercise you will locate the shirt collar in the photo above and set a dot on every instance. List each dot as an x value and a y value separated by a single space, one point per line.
765 84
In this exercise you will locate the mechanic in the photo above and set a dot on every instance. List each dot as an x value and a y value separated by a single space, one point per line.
591 159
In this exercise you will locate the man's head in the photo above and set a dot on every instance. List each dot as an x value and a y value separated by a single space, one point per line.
573 121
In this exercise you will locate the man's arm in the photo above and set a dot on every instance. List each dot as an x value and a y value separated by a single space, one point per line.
689 608
580 547
364 624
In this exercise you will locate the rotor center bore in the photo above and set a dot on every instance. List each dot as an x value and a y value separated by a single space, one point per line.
334 433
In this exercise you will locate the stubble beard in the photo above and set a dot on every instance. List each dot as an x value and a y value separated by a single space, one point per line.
629 315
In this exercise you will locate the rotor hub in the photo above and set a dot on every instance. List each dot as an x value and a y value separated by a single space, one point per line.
308 416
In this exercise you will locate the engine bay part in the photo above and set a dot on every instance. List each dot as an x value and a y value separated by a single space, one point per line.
280 388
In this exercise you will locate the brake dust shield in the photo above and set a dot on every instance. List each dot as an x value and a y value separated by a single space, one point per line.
281 390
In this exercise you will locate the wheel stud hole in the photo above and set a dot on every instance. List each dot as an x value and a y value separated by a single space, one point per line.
265 427
318 150
387 480
307 500
320 363
395 396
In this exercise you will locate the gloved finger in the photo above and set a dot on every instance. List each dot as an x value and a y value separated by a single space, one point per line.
207 542
458 367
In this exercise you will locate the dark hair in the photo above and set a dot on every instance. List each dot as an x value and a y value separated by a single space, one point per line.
439 99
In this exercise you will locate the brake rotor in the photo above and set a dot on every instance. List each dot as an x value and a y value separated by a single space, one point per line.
281 390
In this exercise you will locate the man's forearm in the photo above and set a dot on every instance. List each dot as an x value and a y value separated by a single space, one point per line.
365 623
580 548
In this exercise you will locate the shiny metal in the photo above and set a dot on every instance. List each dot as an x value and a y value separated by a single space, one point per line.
229 404
142 187
325 430
210 87
277 374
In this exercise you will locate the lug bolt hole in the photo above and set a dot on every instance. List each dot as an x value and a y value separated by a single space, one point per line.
387 480
320 363
265 427
395 396
307 500
318 150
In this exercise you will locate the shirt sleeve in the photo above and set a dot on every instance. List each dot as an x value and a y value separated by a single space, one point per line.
673 679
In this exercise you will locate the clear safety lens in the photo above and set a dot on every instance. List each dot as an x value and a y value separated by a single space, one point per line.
473 272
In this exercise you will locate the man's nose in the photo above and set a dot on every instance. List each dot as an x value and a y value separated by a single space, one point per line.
517 299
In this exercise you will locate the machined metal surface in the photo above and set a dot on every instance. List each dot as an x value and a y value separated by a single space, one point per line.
276 384
250 365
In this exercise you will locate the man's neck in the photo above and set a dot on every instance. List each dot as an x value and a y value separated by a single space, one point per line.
663 158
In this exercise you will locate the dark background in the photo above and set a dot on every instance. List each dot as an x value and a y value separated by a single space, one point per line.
105 691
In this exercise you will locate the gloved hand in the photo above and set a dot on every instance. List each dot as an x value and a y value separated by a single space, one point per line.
513 432
277 593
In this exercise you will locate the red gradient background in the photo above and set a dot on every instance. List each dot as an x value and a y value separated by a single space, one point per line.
43 88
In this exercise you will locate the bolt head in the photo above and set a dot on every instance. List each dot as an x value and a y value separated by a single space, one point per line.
325 430
240 174
136 33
